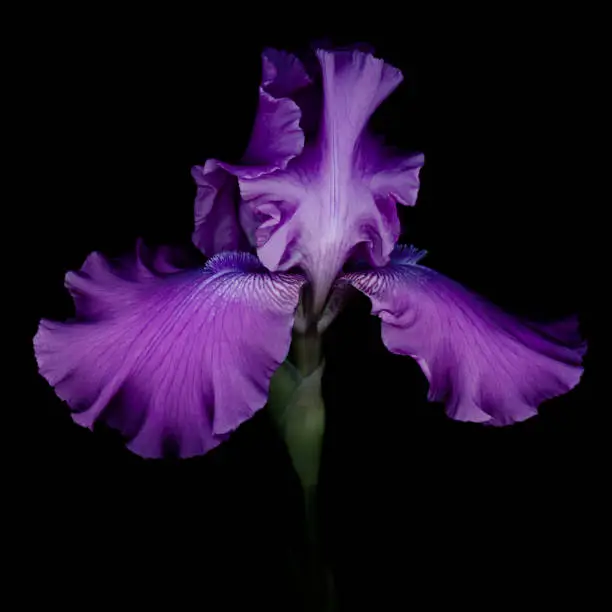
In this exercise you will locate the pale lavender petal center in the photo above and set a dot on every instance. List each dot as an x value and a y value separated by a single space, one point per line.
341 192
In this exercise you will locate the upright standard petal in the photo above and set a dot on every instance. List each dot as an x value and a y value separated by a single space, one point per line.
276 138
174 360
282 73
216 226
340 194
483 364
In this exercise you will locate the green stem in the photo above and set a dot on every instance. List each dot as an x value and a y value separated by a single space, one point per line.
297 408
307 351
321 594
300 419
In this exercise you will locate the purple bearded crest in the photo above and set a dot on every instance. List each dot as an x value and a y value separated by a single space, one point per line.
176 359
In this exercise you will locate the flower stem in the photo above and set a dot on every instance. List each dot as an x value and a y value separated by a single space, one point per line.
320 594
307 351
297 408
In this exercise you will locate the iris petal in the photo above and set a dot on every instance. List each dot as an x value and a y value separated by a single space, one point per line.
276 138
216 220
174 360
483 364
340 193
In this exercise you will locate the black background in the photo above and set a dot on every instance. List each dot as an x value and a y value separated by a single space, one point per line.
418 510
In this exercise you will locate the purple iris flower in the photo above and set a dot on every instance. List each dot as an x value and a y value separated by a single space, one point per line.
177 358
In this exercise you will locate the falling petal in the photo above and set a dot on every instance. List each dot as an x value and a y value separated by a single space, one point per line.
173 360
483 364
